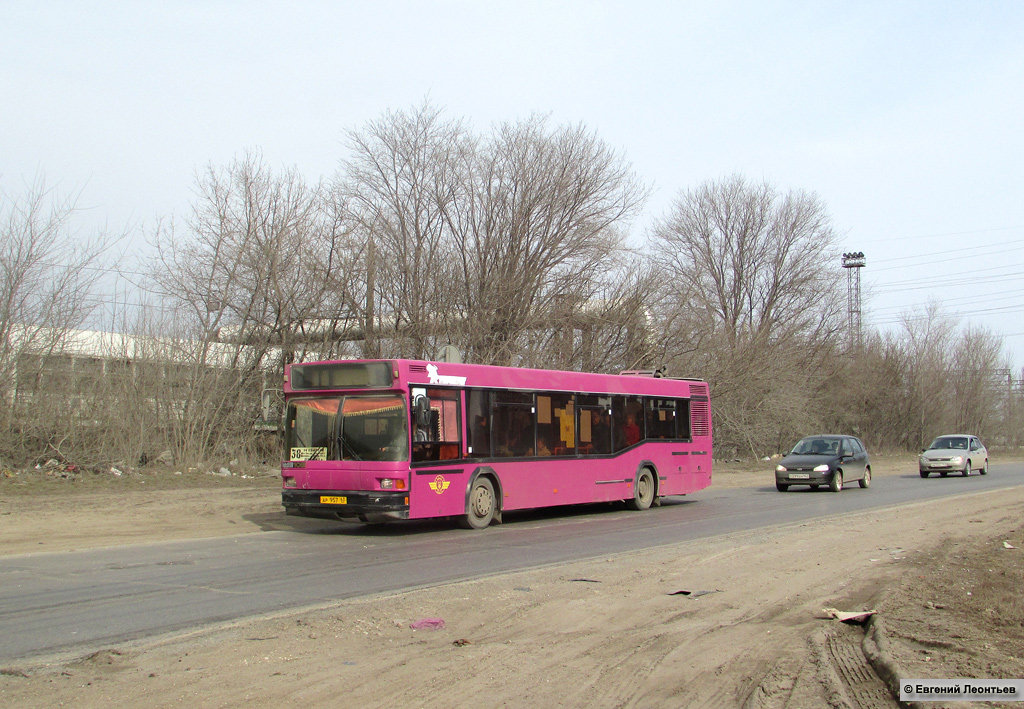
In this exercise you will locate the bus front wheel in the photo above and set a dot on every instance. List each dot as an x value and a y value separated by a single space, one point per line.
480 505
643 491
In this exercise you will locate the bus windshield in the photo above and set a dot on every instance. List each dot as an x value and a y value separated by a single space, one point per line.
359 427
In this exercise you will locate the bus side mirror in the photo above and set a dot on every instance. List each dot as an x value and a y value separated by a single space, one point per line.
421 407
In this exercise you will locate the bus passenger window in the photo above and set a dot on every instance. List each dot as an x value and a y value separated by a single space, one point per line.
683 419
512 423
661 418
595 434
562 429
513 431
479 409
627 421
601 433
441 432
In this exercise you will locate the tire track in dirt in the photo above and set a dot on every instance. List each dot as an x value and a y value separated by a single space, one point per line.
862 685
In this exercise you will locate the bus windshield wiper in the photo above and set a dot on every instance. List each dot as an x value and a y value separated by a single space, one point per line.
345 445
339 436
339 433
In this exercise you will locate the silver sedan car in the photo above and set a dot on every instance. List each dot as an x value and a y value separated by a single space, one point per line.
960 453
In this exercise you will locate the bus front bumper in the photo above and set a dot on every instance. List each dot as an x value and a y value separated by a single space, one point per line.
347 505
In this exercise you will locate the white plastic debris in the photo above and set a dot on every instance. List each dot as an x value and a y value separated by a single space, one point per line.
848 616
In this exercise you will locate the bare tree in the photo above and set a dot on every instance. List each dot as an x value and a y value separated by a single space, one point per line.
494 244
49 278
927 378
750 302
401 176
953 378
977 381
927 337
538 226
258 277
871 381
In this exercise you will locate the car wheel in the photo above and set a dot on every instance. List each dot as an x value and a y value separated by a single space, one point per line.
781 487
924 473
967 469
837 481
866 480
984 468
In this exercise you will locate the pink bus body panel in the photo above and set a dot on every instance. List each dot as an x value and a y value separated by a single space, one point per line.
439 489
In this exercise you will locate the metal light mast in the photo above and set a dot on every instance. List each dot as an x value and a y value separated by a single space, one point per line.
853 262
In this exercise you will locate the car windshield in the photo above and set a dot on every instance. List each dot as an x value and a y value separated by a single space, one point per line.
949 443
816 446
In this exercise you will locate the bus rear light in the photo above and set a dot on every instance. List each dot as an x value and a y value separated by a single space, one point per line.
289 481
391 484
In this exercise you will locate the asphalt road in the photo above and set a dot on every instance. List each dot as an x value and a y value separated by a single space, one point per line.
80 601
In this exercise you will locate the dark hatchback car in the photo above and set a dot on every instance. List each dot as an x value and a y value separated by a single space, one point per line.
824 460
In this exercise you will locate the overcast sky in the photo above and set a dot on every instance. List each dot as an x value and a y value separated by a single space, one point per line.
905 117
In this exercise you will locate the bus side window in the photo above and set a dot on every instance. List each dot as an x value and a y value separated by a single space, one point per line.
683 419
560 433
513 423
479 410
513 431
442 433
661 418
595 434
627 421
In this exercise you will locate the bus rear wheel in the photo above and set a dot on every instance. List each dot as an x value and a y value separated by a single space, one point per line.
480 505
643 491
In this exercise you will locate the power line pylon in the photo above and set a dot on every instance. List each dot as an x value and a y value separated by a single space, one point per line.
853 262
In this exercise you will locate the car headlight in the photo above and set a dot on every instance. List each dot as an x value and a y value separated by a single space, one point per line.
823 468
780 468
956 459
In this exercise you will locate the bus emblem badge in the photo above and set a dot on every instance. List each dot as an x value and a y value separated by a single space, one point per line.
435 378
439 484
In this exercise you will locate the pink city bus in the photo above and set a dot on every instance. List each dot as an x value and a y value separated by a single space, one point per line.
373 441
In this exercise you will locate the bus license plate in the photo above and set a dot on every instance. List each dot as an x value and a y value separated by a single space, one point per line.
799 476
328 500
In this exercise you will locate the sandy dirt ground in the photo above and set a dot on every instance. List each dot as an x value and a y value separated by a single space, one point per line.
944 578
